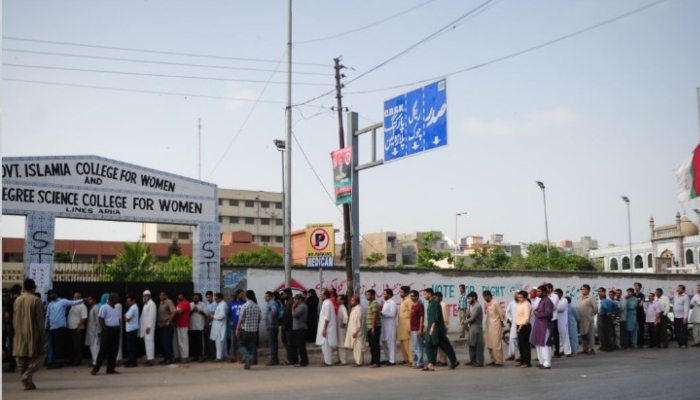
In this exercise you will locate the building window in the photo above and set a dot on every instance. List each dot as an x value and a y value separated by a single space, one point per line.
221 219
221 202
233 203
278 222
391 258
166 235
250 203
689 257
265 204
625 263
392 243
278 205
279 239
233 220
183 235
265 239
649 261
249 221
638 262
613 264
264 221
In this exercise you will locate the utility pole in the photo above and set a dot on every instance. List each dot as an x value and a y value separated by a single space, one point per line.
288 159
346 207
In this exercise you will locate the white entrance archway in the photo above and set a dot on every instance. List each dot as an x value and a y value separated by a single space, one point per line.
92 187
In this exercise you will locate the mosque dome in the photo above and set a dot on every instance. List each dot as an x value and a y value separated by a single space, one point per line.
688 228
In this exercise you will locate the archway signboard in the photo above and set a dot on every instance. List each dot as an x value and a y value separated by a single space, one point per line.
97 188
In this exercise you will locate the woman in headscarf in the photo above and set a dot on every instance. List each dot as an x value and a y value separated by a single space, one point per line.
312 317
103 300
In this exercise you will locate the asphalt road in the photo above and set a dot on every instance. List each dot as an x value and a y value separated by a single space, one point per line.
631 374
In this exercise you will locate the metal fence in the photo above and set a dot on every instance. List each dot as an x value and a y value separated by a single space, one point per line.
87 272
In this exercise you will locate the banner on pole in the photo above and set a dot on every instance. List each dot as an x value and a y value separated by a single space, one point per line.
342 175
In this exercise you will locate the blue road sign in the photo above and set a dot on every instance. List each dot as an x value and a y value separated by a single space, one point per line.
416 121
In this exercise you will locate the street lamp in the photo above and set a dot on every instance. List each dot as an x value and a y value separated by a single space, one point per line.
457 233
281 146
546 226
629 230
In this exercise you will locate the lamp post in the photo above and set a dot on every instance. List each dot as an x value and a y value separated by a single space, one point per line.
546 226
457 215
281 146
629 231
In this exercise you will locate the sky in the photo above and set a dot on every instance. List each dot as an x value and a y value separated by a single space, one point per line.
606 113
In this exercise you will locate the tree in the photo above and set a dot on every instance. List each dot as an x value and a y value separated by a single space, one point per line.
174 249
427 256
490 257
62 256
132 264
374 258
176 269
262 256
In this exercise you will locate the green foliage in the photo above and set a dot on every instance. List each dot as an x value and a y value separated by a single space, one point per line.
460 263
62 256
490 257
427 256
136 264
536 260
374 258
176 269
262 256
174 249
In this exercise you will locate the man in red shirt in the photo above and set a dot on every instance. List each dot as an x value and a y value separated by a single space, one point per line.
417 317
181 318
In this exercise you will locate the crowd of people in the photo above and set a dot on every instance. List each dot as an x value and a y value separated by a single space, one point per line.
193 328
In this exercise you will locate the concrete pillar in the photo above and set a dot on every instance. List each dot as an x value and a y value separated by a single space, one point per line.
38 249
206 258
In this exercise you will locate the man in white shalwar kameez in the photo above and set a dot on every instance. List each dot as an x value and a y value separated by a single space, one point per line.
513 342
93 329
327 334
218 327
389 313
563 323
147 326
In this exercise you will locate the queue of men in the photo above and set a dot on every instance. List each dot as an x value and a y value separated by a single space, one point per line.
196 329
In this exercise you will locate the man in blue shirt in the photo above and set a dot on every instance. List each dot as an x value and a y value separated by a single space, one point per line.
57 326
272 324
606 311
132 329
234 308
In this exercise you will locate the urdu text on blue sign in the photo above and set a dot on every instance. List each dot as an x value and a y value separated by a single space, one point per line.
416 121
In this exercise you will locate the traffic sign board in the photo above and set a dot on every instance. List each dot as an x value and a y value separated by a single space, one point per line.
320 240
416 122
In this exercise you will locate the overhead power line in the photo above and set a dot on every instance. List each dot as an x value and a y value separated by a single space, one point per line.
172 53
134 60
245 121
373 24
206 78
116 89
517 53
426 39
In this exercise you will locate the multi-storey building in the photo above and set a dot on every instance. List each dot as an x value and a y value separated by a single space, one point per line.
257 212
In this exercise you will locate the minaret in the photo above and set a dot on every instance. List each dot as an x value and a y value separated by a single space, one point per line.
651 267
